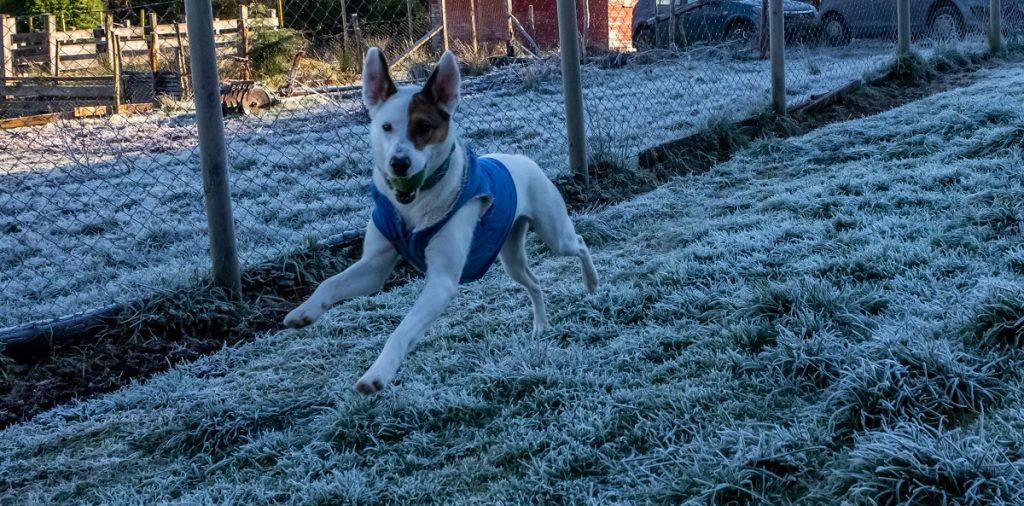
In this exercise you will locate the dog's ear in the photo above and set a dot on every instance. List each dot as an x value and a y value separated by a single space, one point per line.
377 83
443 84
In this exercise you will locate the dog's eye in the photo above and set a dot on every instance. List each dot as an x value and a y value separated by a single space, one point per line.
422 127
386 127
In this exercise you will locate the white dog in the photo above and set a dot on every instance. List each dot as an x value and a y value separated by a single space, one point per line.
447 212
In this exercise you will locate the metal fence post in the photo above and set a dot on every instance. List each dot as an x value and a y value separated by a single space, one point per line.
995 25
777 46
210 122
568 40
762 33
903 18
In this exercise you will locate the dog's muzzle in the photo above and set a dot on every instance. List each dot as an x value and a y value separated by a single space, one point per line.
405 197
406 187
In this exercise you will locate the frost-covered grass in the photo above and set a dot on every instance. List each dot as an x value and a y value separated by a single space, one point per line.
101 211
828 318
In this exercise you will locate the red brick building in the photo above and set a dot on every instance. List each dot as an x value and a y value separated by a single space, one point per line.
605 23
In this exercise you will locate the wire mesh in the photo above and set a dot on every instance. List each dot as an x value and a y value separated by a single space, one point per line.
99 208
1013 23
845 41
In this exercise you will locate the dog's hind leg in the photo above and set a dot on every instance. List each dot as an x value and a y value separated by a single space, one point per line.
589 272
513 258
555 229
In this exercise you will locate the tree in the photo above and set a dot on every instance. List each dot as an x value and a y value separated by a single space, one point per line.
75 13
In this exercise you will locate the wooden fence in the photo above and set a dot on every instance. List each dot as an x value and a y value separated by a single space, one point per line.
81 72
78 52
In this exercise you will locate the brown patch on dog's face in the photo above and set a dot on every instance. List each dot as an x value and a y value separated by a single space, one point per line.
428 122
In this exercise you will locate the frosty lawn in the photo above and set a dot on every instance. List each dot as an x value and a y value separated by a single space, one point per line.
825 317
103 211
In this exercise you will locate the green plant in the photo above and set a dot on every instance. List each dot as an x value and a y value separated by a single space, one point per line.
814 68
947 59
918 464
474 61
74 13
910 380
273 50
7 366
909 68
998 322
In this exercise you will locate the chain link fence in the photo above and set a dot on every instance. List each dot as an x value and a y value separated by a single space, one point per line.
101 198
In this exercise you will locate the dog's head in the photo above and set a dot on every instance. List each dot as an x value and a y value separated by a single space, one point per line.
409 126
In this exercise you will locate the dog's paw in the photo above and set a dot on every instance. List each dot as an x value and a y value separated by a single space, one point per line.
539 329
369 387
376 378
301 316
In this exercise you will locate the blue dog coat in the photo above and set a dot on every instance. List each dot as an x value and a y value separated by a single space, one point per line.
485 177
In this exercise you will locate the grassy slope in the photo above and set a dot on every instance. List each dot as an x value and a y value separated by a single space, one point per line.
796 325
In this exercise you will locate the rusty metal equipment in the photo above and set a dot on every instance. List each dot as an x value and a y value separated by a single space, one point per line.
288 87
244 97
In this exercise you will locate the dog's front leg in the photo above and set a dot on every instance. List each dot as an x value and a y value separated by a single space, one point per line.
364 277
446 256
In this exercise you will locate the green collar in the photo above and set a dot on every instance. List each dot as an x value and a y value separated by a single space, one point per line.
408 196
441 171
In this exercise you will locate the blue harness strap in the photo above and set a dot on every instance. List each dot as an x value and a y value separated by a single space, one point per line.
485 177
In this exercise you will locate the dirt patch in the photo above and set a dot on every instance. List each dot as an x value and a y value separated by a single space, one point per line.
890 92
156 334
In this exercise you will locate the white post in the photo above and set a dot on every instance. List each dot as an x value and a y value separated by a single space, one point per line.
7 30
569 41
52 58
995 25
210 122
444 24
777 46
903 22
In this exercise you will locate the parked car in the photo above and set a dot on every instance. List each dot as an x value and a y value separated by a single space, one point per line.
842 20
711 20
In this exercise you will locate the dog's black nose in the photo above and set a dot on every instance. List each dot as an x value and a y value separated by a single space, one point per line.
400 165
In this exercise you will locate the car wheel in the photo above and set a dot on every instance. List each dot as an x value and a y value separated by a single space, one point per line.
644 38
740 33
946 25
834 30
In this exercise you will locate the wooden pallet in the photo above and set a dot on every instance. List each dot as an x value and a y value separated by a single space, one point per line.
79 112
27 121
